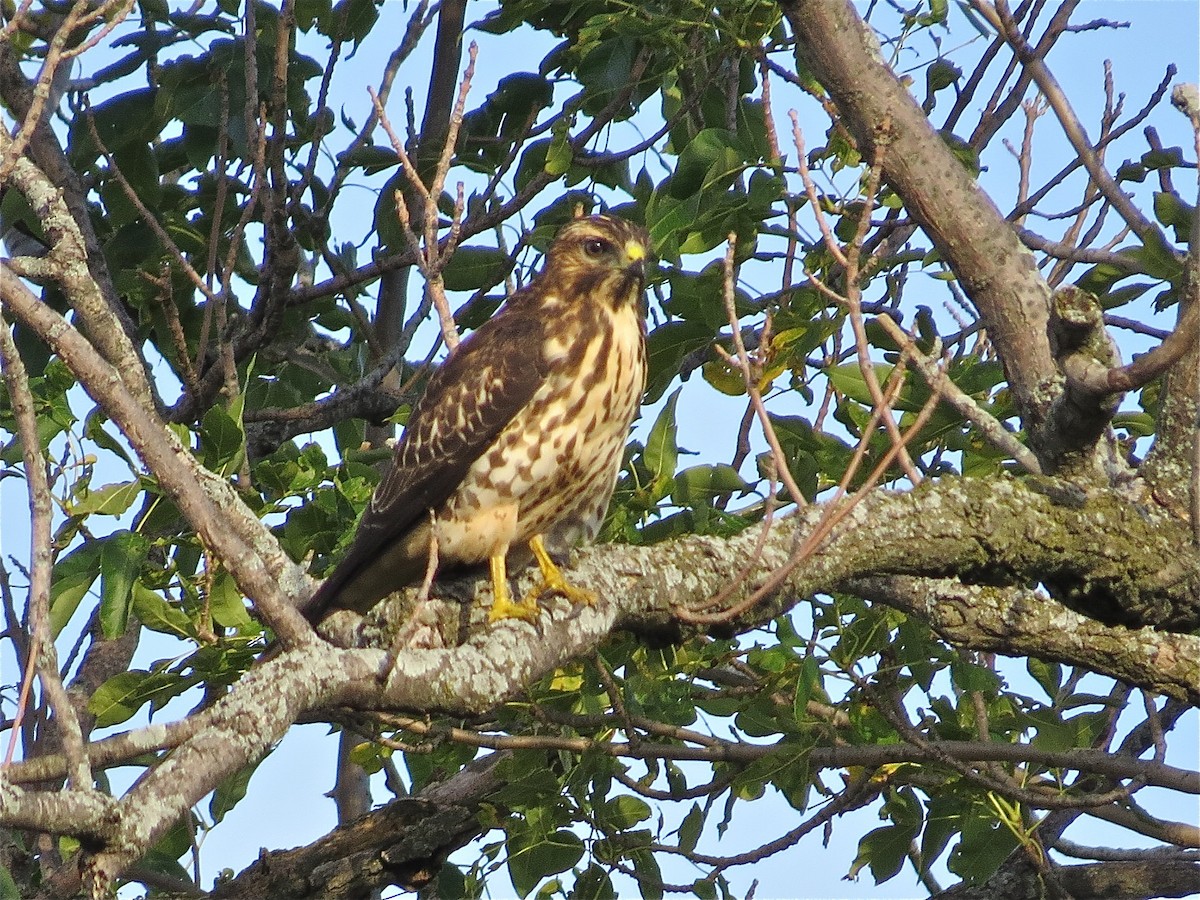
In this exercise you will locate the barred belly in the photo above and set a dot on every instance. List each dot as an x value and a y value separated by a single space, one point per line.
553 468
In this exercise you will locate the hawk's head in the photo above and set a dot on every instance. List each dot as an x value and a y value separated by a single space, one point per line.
600 257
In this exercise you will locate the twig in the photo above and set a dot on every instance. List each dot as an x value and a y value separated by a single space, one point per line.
940 383
832 515
14 22
42 649
144 212
418 22
747 370
209 503
112 13
431 258
857 793
1074 130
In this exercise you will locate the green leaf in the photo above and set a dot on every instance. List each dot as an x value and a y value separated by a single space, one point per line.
370 756
970 677
649 875
225 602
623 812
118 698
452 884
222 440
72 577
559 155
355 19
426 768
475 268
703 484
669 220
1047 674
723 376
125 119
370 157
984 844
163 857
941 74
1155 259
121 559
1166 158
8 887
109 500
1174 212
139 165
592 883
93 427
885 849
1131 171
1053 733
666 348
690 828
942 822
157 614
809 678
230 792
531 859
661 451
710 161
850 381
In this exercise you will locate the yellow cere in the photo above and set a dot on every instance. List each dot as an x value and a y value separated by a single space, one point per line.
635 251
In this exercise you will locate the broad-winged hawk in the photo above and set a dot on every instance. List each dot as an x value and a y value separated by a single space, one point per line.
518 438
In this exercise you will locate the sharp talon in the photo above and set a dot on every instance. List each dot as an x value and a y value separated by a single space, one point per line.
504 608
553 580
577 595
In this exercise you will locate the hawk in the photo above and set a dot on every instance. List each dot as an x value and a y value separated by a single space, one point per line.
517 441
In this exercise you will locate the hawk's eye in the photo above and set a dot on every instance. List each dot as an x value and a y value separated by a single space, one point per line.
595 247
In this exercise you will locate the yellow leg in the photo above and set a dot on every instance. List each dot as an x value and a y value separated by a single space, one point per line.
553 579
503 606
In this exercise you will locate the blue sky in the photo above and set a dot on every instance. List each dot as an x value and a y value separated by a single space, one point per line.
286 804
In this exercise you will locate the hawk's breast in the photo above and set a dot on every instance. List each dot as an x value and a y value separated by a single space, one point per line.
552 469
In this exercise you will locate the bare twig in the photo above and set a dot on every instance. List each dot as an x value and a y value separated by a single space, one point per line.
1003 22
42 645
431 257
832 515
209 503
935 376
112 13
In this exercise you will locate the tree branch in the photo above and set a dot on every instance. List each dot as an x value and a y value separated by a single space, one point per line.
997 272
259 566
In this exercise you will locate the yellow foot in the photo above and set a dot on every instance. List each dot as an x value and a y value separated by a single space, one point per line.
503 606
553 580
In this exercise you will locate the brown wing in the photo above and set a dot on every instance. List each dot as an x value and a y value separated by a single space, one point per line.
489 378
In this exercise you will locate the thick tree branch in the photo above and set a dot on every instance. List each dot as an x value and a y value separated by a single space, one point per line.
1016 622
252 555
69 259
996 537
45 150
404 843
995 269
1096 881
997 533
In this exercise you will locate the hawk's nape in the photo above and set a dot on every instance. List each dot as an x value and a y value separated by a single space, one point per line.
519 436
